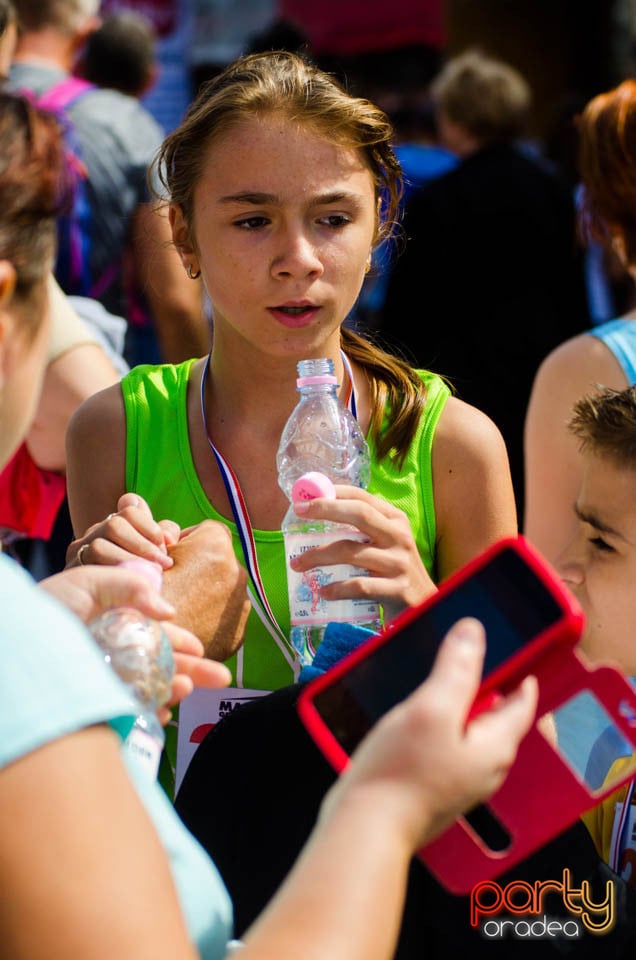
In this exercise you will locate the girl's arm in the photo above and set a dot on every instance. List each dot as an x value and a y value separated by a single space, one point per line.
96 479
552 460
86 876
474 500
203 579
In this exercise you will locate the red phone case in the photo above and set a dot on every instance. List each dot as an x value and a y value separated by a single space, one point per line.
541 795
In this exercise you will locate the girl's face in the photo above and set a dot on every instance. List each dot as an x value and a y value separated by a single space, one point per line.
284 225
22 366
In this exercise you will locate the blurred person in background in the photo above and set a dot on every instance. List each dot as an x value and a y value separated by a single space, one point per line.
489 280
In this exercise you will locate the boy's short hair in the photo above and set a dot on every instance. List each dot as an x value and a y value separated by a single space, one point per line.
64 15
121 53
488 97
605 424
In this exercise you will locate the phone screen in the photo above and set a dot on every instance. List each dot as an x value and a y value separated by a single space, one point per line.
505 595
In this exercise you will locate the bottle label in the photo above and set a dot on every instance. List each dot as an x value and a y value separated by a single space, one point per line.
307 607
145 749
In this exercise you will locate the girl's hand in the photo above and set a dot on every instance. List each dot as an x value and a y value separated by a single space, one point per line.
130 532
397 577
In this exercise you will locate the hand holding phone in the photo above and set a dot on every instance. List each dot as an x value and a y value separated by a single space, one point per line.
532 623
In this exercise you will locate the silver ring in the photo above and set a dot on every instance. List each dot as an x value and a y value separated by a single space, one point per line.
109 517
80 554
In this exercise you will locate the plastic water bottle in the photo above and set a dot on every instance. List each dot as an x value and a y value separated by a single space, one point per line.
140 653
321 439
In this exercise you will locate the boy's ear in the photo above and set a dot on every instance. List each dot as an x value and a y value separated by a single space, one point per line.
84 31
151 79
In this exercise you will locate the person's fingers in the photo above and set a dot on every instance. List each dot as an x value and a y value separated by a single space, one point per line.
133 500
132 531
182 640
509 720
194 672
120 588
107 551
456 673
203 672
89 590
171 532
182 687
356 507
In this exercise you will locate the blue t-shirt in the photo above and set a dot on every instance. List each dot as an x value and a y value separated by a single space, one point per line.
54 682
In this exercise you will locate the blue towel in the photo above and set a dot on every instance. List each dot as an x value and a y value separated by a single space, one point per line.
339 640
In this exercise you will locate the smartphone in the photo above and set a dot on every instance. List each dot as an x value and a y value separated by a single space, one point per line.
523 605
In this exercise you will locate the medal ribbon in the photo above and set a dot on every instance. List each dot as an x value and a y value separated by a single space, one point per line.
256 590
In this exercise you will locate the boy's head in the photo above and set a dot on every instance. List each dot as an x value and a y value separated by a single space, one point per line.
121 54
485 98
64 16
600 563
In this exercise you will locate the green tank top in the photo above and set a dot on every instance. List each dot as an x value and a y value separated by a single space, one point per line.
159 468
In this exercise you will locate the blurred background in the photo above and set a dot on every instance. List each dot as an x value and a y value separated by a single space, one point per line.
390 49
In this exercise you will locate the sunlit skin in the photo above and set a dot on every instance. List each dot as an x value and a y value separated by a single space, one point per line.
22 361
599 565
284 218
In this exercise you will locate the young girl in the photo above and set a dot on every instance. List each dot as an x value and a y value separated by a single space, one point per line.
280 184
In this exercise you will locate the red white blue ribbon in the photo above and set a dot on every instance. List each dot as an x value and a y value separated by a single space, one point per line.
256 591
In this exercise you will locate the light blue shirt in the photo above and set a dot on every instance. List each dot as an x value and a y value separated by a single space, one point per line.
54 682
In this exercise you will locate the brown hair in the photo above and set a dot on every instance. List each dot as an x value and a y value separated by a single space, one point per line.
284 83
34 190
605 424
607 164
64 15
488 97
280 83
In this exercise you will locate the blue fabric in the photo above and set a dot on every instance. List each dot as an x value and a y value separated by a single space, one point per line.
53 683
619 336
421 162
339 640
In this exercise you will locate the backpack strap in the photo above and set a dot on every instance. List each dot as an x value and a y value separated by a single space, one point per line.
63 94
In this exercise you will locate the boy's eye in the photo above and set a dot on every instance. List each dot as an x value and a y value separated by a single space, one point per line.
251 223
599 544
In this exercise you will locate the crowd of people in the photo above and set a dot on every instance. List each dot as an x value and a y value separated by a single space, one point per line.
264 211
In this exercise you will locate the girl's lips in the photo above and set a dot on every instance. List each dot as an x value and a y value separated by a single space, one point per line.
298 317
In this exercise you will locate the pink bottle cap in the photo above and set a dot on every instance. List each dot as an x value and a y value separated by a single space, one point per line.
320 378
148 569
311 486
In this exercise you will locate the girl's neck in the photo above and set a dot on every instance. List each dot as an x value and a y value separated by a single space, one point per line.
263 392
